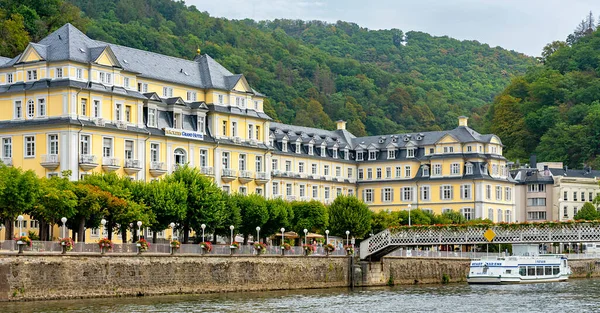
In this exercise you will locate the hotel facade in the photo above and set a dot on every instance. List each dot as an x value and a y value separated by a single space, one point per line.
77 104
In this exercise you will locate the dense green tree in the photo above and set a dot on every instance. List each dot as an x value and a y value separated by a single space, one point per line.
167 200
348 213
19 192
588 213
280 215
253 212
205 201
56 200
311 215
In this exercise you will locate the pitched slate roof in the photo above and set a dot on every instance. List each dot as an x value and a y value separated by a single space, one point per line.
575 173
462 133
69 43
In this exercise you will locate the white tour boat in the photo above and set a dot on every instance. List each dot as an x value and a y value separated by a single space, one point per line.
521 269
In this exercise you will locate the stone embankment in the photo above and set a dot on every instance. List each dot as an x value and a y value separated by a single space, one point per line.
43 277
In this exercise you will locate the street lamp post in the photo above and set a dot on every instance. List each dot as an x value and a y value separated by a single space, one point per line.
64 221
409 209
20 219
203 226
306 241
257 233
139 225
231 228
347 235
173 231
282 241
103 222
326 236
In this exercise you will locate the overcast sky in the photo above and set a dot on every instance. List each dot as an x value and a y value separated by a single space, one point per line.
522 25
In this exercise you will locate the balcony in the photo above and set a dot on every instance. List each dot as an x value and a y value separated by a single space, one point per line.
132 166
88 162
245 177
7 161
110 164
207 170
290 198
228 175
157 169
262 178
50 161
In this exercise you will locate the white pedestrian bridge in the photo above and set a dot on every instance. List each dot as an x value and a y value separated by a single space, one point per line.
385 242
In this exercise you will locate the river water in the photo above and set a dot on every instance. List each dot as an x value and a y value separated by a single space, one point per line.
576 295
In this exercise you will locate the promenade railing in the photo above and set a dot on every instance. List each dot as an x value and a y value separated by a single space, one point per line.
217 249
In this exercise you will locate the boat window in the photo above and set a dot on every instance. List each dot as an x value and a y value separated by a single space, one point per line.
522 270
508 271
547 270
555 270
531 271
485 269
539 270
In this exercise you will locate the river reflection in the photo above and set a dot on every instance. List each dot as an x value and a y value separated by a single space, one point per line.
573 296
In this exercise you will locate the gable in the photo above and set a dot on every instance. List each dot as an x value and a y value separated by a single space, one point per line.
495 140
107 58
30 55
242 85
447 139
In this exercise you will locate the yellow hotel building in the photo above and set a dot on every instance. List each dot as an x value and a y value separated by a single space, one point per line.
73 103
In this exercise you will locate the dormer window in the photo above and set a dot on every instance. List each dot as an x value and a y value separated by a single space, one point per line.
284 146
152 117
346 154
201 123
272 142
323 151
360 156
297 147
425 171
311 149
335 153
469 149
391 154
220 99
406 138
448 149
410 153
469 169
372 154
177 120
484 168
494 150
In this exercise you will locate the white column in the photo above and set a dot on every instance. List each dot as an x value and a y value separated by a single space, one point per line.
169 160
140 115
191 155
217 166
71 147
141 156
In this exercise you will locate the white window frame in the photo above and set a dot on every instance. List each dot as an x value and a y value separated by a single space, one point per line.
410 153
53 144
27 152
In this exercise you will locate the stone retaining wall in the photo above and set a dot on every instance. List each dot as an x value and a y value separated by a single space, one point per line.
56 277
42 277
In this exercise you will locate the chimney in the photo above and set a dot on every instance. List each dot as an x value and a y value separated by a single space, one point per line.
341 125
546 171
533 161
462 121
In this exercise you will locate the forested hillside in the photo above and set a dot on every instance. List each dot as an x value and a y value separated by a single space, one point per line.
554 109
313 72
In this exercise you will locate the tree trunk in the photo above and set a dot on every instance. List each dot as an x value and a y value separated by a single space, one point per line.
214 238
245 239
154 236
10 229
124 234
186 233
135 235
81 231
110 225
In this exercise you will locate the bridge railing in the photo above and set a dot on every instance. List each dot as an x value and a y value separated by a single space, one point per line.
389 240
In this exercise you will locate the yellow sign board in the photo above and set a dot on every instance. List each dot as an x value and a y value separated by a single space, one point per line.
489 235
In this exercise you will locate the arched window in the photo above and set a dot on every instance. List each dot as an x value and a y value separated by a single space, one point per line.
180 156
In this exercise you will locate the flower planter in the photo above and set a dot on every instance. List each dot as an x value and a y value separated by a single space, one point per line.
103 250
174 250
232 248
139 248
63 246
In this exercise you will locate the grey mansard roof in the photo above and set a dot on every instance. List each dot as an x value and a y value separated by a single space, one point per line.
69 43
